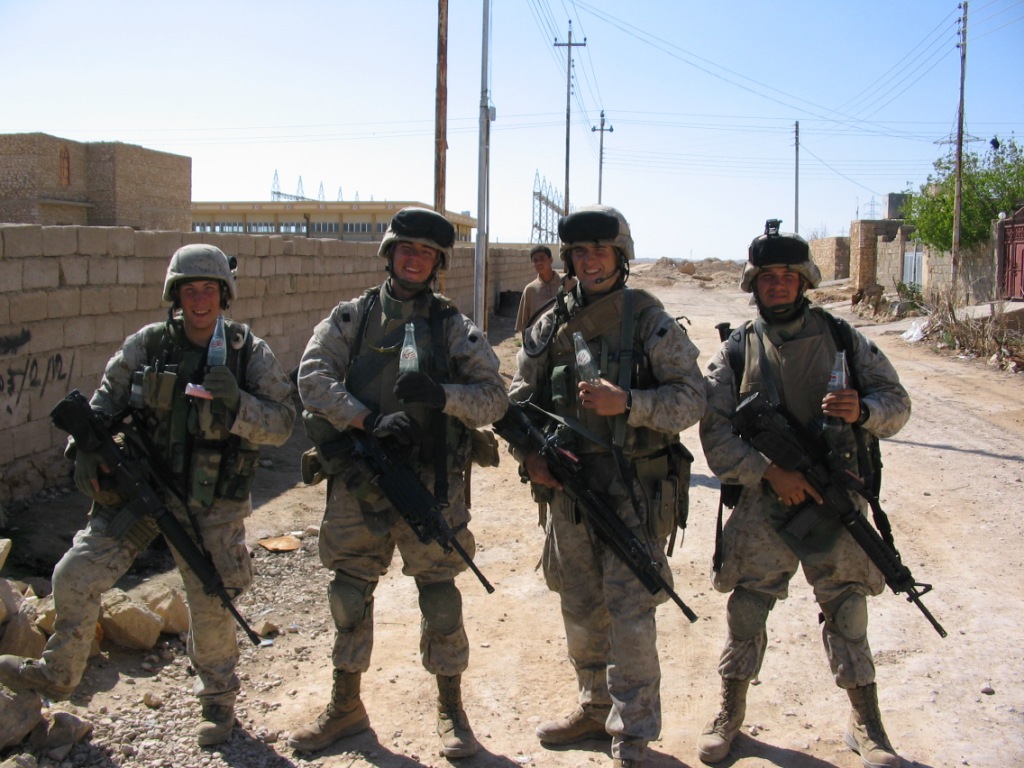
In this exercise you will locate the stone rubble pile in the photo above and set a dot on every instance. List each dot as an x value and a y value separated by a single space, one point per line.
142 633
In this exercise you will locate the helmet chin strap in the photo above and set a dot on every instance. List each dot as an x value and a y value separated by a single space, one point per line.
782 313
408 284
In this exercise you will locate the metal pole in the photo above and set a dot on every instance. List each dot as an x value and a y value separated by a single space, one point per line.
600 154
568 95
441 118
480 255
796 186
958 187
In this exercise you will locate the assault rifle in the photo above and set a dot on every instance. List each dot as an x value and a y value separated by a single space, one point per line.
406 492
772 433
519 430
134 480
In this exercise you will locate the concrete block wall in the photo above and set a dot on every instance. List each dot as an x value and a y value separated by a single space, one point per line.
864 240
69 295
977 275
832 257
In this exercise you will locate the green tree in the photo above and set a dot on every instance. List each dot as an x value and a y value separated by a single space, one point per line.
993 182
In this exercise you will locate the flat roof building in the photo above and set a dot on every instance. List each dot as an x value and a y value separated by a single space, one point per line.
350 221
49 180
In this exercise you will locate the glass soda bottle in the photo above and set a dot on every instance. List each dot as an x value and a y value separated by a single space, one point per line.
409 357
836 433
586 368
217 353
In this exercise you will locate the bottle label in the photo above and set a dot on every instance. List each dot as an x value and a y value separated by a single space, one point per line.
408 360
217 352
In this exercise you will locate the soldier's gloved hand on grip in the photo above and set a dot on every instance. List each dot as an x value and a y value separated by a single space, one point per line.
418 387
220 383
87 478
398 425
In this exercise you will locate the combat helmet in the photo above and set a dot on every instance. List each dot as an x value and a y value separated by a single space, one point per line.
774 248
595 225
419 225
199 261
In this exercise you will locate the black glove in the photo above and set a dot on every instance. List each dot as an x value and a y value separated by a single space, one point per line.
398 425
417 387
220 383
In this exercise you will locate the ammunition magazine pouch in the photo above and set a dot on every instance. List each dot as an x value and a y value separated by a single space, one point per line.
664 477
221 472
158 388
121 523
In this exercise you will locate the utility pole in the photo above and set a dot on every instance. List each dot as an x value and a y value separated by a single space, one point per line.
441 115
483 186
568 94
958 187
600 153
796 184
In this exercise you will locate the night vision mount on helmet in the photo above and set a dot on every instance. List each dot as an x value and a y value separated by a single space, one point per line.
776 248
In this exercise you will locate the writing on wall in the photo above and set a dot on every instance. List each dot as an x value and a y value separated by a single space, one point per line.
34 375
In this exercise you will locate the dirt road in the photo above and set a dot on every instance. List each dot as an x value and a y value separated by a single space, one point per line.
952 487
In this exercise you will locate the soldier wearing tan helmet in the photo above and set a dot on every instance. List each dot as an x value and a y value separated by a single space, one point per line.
648 390
349 379
206 449
788 353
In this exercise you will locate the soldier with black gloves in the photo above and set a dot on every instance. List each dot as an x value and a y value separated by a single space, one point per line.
350 379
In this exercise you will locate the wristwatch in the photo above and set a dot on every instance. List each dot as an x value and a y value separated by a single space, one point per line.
864 413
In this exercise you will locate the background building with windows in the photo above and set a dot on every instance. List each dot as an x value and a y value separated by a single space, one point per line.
349 221
48 180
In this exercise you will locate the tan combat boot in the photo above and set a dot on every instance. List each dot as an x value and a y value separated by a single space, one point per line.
864 732
457 739
577 726
20 673
344 716
716 739
218 720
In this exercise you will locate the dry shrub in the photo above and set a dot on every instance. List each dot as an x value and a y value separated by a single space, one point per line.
997 338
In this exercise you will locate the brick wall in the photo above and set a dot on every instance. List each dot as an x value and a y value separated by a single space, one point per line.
865 236
69 295
48 180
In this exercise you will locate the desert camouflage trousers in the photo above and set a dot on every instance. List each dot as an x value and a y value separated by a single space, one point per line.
96 561
757 559
609 618
361 547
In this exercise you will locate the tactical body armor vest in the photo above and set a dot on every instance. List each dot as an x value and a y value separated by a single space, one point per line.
374 369
608 325
189 438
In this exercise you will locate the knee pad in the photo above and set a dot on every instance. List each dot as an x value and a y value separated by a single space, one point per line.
746 613
847 615
441 606
349 599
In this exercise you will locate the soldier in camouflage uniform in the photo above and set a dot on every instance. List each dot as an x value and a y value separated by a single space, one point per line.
207 448
349 380
650 388
788 354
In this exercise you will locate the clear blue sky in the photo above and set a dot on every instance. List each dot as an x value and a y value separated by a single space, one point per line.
702 99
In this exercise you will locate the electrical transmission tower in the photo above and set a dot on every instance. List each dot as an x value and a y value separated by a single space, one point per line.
547 207
277 195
